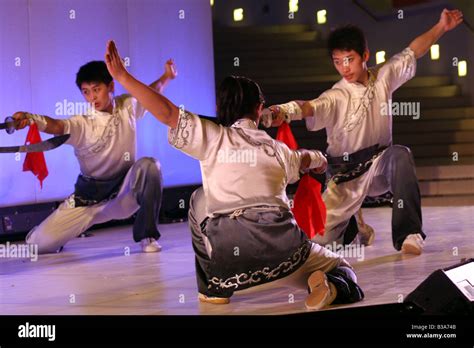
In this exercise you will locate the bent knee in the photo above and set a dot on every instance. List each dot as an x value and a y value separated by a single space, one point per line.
44 244
401 153
149 166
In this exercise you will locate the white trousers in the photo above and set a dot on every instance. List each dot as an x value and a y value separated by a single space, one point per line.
68 222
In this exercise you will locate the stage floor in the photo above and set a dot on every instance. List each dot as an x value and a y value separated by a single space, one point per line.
95 275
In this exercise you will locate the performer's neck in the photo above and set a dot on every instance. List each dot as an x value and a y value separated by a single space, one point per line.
364 78
110 108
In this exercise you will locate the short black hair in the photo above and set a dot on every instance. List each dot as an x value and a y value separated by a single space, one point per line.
347 38
95 71
237 96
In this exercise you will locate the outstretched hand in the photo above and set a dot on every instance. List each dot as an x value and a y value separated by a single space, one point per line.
278 116
171 71
20 120
114 63
450 19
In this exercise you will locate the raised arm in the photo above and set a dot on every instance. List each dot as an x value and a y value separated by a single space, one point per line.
448 21
159 106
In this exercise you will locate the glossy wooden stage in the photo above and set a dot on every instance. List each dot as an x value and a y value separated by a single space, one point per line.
96 275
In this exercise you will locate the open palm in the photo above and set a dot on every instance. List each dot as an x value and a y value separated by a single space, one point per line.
114 63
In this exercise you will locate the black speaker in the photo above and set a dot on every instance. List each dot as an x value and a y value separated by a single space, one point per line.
17 221
446 291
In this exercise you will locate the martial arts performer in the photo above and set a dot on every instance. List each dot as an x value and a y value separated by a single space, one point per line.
111 185
243 231
362 159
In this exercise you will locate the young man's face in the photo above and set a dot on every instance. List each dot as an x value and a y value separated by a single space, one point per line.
350 65
98 94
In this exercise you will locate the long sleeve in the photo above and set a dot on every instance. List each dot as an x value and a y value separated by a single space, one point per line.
292 161
324 107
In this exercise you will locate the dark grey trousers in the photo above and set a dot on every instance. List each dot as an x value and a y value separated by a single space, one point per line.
281 233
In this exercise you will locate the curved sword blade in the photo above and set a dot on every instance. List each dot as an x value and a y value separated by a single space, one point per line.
46 145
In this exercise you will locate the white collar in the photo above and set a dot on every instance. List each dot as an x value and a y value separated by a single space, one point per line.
245 123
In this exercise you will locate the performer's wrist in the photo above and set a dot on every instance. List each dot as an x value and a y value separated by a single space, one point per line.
439 28
164 79
319 162
124 78
291 111
40 120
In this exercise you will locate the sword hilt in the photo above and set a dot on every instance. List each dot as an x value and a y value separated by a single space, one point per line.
9 125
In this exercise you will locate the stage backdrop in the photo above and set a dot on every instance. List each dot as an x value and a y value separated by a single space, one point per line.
44 42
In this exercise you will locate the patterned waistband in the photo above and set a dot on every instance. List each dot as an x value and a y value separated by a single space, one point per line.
259 208
89 191
350 167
